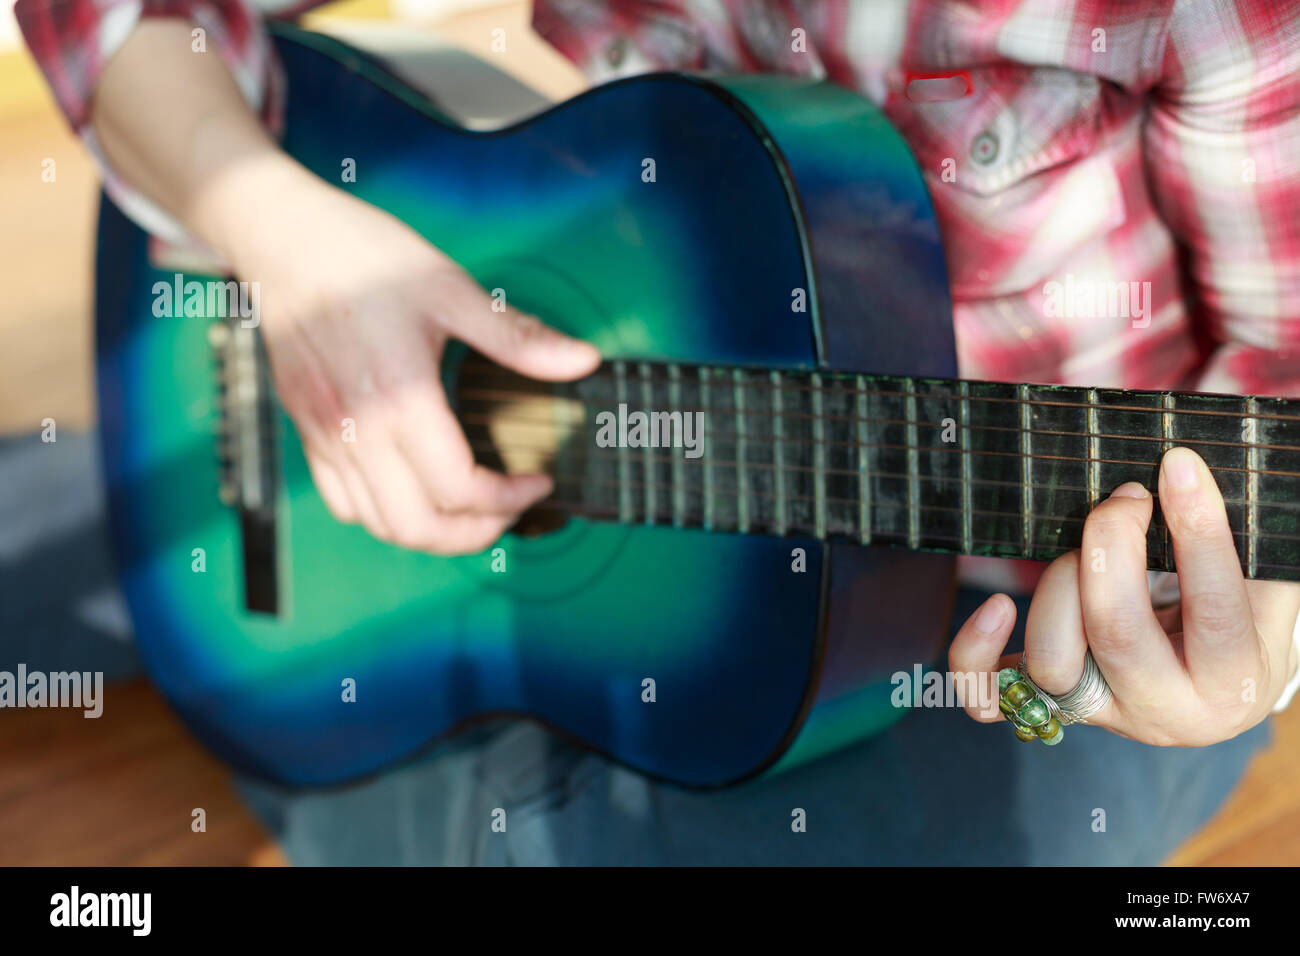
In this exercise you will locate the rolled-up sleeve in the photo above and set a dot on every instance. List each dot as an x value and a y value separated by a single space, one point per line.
73 40
613 38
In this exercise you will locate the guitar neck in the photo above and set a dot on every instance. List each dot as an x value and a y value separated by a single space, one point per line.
936 464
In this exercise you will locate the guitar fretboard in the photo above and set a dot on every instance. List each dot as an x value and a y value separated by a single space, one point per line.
940 464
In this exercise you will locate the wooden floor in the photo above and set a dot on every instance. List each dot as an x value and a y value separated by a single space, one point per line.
1260 823
122 789
118 790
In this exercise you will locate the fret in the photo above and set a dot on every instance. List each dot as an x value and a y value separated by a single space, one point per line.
690 471
1126 424
933 466
1249 430
864 462
778 454
963 433
913 465
707 459
679 460
887 476
742 487
840 431
594 469
992 471
1166 443
626 510
1026 474
1221 440
819 458
933 463
706 402
798 453
649 491
1058 468
1275 444
1094 452
765 482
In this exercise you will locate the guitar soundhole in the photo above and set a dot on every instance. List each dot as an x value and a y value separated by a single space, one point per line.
539 521
520 426
533 523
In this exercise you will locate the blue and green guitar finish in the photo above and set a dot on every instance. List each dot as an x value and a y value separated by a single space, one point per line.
763 185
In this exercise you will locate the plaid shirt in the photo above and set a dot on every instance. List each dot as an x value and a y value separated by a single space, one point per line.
1118 185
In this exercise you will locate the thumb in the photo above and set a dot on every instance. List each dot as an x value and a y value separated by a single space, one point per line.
977 651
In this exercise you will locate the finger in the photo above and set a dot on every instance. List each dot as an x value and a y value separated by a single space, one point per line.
976 651
431 440
330 487
1055 644
512 338
304 386
301 382
404 504
1220 642
1130 647
408 519
361 498
1055 641
306 390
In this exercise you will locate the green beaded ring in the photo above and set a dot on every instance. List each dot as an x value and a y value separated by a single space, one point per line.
1028 714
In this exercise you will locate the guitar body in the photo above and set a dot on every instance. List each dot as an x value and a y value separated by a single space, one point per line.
761 186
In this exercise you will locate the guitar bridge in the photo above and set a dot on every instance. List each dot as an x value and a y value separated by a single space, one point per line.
246 446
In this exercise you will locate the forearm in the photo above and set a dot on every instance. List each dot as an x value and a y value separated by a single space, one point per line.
174 126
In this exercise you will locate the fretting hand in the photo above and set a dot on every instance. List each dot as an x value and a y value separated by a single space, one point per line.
1193 674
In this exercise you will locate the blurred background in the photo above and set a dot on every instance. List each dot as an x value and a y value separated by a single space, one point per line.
112 791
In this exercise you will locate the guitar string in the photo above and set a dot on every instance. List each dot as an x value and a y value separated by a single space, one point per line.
765 414
1005 548
723 379
582 482
613 455
808 441
948 449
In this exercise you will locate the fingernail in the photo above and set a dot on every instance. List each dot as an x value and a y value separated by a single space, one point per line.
1130 489
990 617
1181 469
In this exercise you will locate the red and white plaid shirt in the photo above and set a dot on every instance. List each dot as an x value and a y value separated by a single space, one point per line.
1118 190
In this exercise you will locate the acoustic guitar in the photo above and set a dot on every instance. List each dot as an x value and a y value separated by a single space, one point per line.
705 597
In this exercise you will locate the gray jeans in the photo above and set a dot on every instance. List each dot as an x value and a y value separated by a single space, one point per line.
936 788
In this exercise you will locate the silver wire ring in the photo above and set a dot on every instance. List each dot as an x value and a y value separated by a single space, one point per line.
1085 699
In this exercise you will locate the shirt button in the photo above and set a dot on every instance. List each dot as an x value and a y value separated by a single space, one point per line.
985 148
616 52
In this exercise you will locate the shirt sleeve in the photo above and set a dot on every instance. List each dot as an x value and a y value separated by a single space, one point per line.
1223 159
72 40
1222 146
607 39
